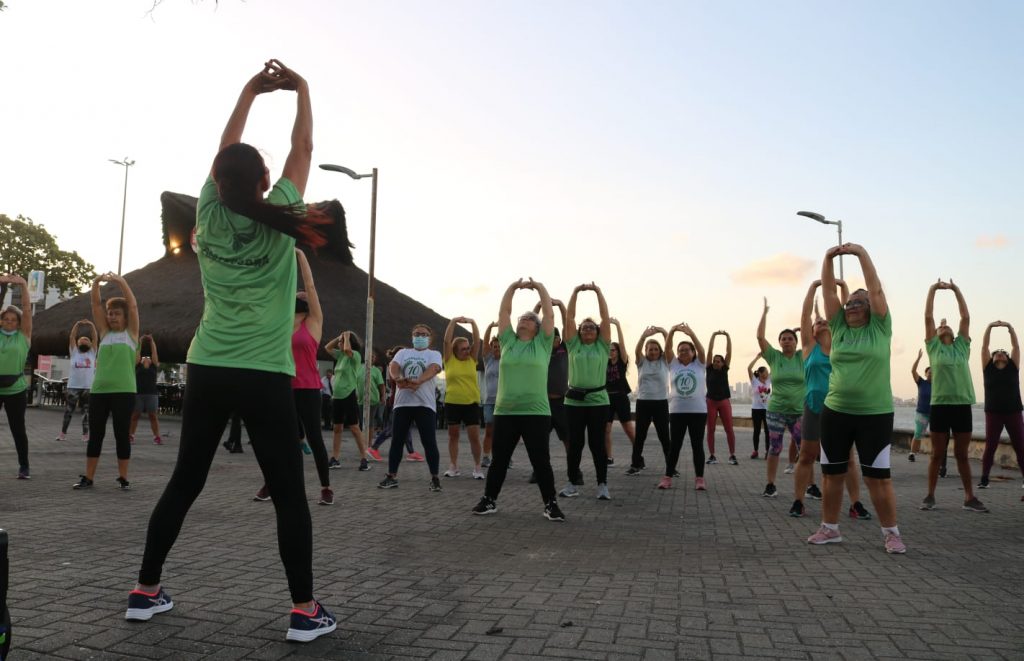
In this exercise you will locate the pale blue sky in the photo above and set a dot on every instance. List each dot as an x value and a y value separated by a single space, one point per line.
658 148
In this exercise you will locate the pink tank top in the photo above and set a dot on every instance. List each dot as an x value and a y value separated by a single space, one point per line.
304 347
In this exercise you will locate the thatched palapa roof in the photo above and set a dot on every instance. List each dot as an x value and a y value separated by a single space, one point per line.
170 292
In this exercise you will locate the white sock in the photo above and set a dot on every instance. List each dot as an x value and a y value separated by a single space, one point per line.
830 526
894 530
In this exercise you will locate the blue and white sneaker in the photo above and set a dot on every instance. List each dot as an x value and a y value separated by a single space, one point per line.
142 606
310 626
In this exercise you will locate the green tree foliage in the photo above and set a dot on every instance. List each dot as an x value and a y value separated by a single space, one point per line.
25 246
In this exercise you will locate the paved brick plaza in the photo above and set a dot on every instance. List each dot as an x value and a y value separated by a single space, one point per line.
411 574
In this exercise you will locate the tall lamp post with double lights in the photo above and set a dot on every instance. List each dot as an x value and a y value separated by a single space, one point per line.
824 221
368 349
124 205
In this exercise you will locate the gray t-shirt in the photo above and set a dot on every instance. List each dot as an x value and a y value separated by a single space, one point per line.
652 382
558 371
412 363
491 365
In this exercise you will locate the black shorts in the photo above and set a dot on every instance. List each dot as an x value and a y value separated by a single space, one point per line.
345 411
618 406
870 434
951 417
462 414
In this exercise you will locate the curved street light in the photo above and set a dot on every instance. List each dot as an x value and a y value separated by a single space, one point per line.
824 221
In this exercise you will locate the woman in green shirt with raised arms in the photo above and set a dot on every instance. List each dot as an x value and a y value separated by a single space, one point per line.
952 395
522 409
15 340
241 357
858 408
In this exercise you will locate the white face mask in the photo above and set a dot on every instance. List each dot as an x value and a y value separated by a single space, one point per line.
7 332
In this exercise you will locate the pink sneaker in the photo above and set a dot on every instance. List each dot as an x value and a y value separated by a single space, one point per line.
131 438
157 440
700 485
825 536
375 454
666 483
415 456
894 544
61 436
85 437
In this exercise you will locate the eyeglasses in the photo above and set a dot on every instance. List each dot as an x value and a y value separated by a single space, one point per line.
527 317
856 303
421 334
588 327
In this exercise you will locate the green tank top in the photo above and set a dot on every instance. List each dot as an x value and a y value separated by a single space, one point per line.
13 354
115 364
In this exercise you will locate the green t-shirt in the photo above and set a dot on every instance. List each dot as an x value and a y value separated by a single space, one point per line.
523 378
951 375
346 373
376 380
860 383
248 272
13 354
115 364
588 368
787 381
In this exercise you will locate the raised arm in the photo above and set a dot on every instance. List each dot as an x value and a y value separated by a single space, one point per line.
73 338
807 340
296 165
762 343
844 291
929 310
547 320
555 303
711 345
828 284
346 343
332 346
265 81
474 350
92 334
1014 345
569 330
965 314
99 314
26 314
670 344
986 355
505 309
913 368
623 356
876 295
701 356
133 306
605 329
728 348
487 334
750 367
154 356
315 317
639 352
449 335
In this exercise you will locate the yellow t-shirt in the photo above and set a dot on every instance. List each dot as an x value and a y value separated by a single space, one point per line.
460 379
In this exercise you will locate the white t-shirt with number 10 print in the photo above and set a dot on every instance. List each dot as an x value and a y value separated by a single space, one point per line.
688 387
412 363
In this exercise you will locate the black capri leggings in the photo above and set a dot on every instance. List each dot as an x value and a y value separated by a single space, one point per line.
535 431
264 400
119 406
681 423
760 419
648 411
586 427
15 405
307 408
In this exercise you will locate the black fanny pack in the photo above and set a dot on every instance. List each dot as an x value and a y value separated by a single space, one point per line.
8 380
579 394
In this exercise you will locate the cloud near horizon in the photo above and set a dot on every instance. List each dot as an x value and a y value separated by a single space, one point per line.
780 269
994 242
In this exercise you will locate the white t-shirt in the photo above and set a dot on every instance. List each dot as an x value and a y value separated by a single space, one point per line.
760 393
652 382
412 363
689 388
83 369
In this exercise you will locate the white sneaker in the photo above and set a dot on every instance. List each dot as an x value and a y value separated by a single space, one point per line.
789 469
478 474
453 472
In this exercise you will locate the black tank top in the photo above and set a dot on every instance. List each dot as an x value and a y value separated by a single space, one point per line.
1002 388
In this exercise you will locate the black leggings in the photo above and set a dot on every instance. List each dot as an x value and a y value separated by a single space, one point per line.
15 405
535 431
586 427
648 411
426 424
307 408
760 419
681 423
264 401
559 423
119 406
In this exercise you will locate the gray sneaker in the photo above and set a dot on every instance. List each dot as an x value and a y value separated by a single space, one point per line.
570 491
486 462
602 492
929 503
975 505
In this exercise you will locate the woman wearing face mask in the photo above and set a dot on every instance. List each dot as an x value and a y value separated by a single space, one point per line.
1002 399
522 409
241 357
924 405
787 403
652 366
114 386
346 350
83 369
719 392
687 404
15 340
952 395
414 371
858 411
618 393
586 402
147 396
462 394
760 394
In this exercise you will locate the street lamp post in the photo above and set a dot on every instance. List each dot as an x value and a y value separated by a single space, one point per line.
368 349
124 205
821 219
